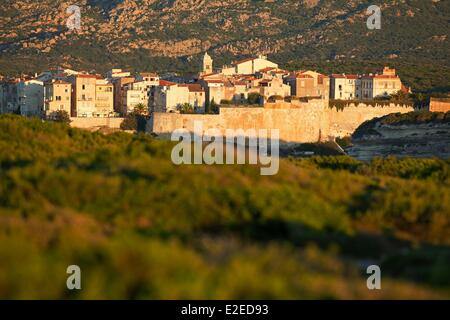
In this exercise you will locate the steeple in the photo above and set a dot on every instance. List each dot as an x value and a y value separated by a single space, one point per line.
207 66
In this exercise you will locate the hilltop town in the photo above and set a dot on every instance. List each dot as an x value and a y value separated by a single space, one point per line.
253 81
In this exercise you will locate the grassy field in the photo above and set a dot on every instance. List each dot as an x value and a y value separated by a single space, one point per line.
142 228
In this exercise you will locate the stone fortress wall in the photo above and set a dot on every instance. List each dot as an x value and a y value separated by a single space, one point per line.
89 123
298 122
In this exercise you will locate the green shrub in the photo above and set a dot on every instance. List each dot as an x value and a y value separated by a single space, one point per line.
142 228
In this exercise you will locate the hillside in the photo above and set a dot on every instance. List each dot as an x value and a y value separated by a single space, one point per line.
141 228
170 35
416 134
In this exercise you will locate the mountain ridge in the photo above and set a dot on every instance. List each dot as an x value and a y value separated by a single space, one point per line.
171 35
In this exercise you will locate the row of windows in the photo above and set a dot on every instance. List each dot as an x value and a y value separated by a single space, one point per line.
108 89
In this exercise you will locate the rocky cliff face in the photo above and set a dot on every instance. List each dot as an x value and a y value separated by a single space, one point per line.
288 30
425 140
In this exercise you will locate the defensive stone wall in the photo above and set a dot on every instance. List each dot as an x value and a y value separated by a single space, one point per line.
440 105
89 123
298 122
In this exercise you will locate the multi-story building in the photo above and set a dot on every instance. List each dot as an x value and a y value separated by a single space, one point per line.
92 96
170 97
83 95
135 93
345 87
272 87
302 85
119 84
30 95
104 98
138 91
10 100
57 97
381 85
367 87
386 84
309 84
214 89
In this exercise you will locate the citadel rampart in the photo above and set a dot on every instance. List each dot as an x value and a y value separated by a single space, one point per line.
298 122
440 104
89 123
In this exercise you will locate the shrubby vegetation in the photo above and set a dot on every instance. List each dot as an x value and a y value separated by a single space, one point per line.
60 116
134 121
187 108
141 227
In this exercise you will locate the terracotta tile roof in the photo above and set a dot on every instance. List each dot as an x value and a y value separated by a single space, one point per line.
165 83
193 87
267 69
209 74
214 81
87 76
59 82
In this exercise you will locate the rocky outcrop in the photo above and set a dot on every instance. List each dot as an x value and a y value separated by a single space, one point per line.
184 28
421 140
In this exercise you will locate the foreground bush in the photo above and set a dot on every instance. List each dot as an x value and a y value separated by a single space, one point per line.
141 227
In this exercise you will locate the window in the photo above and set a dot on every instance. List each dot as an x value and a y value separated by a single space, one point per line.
58 98
83 87
340 88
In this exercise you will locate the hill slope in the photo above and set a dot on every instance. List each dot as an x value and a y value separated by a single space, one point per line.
140 227
170 35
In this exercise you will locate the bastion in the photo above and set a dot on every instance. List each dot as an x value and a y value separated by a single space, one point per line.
297 121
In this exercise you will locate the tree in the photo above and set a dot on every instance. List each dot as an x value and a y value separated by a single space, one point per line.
130 122
212 107
141 109
275 98
60 116
186 108
254 98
